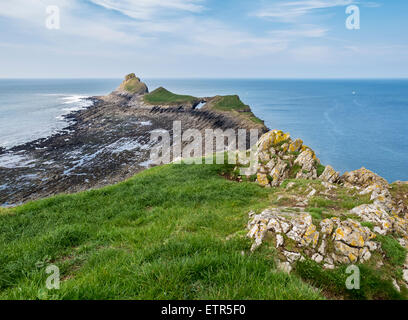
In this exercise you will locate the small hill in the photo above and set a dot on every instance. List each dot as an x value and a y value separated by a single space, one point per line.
132 85
228 103
234 105
162 96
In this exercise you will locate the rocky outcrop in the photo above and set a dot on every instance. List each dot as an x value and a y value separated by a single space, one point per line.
331 242
131 86
280 158
330 175
363 178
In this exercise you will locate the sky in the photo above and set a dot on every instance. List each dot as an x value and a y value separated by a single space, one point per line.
203 39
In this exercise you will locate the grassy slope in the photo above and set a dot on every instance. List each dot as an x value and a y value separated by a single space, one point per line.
228 103
165 97
133 86
159 235
233 103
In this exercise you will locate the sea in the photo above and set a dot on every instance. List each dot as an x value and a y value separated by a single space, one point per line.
349 123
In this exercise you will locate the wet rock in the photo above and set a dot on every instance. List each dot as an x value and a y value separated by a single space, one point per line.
106 143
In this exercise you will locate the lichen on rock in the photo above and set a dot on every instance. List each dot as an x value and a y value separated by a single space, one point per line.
280 158
332 241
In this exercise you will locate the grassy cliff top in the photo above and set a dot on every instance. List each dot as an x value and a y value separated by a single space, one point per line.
162 96
233 103
159 235
170 232
228 103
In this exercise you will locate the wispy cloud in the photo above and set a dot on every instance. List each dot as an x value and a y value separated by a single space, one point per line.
288 11
146 9
303 31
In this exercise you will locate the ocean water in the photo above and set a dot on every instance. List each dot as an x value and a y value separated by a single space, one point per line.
32 109
349 123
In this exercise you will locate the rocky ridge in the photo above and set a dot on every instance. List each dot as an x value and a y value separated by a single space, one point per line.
344 238
104 144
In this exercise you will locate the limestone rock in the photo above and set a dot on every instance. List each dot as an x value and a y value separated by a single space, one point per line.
363 178
285 267
279 240
330 175
296 145
331 242
132 86
317 257
405 275
280 158
396 286
292 256
306 160
262 179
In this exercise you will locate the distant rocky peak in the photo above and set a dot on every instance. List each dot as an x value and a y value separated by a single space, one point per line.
132 85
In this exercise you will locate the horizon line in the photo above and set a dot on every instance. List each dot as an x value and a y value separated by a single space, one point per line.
207 78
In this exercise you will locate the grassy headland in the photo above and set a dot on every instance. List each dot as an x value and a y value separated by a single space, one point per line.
160 235
171 232
162 96
233 103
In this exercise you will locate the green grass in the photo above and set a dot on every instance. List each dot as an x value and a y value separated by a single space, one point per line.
234 103
133 85
228 103
159 235
320 169
294 171
341 200
374 284
165 97
253 118
320 202
394 252
316 213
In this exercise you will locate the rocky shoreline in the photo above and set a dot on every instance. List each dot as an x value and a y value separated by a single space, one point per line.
104 144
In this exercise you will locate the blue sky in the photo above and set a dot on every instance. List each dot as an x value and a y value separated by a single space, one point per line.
203 38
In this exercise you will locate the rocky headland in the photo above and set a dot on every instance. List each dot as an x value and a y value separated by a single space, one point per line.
312 221
110 141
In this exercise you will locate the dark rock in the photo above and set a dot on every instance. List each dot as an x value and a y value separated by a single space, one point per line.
103 144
